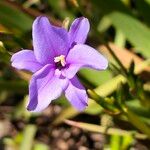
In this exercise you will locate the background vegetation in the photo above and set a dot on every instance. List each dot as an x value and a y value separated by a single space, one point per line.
118 115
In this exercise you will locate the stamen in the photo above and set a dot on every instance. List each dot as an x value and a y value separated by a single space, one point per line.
60 59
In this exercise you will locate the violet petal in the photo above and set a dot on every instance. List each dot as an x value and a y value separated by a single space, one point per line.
25 60
76 94
82 55
44 87
79 30
48 41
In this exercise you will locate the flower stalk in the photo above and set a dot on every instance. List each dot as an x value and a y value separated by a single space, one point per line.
106 103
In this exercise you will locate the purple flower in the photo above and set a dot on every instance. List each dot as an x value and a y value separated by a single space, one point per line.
58 55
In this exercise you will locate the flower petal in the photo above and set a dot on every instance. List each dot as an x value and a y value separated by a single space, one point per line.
79 30
44 87
48 41
71 70
76 94
84 56
25 60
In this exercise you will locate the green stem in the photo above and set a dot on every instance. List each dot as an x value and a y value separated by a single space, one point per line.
135 120
110 108
105 129
116 58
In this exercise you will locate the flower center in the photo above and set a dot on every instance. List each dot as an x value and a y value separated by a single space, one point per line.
60 61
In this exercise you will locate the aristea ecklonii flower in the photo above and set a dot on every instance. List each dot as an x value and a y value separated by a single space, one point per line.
58 55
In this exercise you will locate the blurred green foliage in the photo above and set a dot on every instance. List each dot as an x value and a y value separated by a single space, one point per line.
126 23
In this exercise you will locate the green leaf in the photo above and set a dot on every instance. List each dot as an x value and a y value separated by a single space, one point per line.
4 55
143 8
99 76
104 7
120 39
126 142
108 6
110 86
13 18
28 137
17 86
115 142
136 121
104 24
41 146
59 10
136 32
141 111
148 1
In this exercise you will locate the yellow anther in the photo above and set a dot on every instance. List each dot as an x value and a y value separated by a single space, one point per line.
60 59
